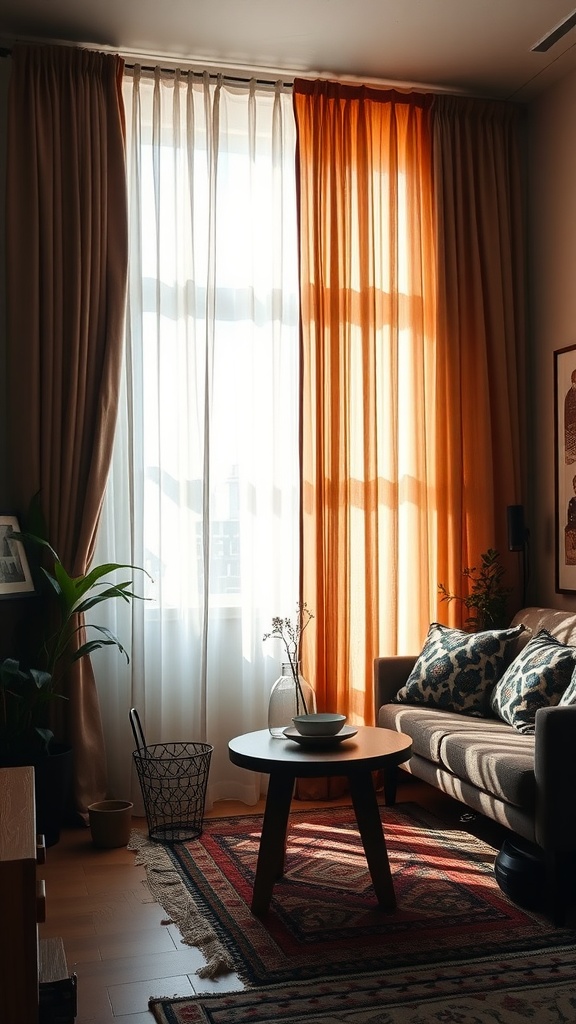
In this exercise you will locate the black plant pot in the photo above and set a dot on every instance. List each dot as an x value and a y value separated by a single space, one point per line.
520 871
52 786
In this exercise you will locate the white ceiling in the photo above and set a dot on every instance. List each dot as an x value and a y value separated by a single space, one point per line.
476 46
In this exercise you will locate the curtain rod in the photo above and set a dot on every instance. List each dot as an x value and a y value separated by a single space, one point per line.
221 74
377 83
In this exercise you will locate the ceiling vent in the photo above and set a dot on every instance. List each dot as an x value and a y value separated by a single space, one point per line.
555 35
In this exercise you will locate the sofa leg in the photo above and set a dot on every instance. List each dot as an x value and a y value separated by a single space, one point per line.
390 784
561 894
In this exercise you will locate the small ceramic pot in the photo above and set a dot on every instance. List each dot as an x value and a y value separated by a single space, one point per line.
110 822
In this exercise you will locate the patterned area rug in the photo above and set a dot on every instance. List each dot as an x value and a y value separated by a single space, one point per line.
323 918
540 988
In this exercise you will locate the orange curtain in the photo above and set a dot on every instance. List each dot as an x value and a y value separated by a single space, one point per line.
403 468
66 278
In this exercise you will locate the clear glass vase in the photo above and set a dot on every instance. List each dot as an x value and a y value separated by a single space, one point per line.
286 702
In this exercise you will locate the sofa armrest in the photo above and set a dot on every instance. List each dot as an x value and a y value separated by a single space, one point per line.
555 771
390 673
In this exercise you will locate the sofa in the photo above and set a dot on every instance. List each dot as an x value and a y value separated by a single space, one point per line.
524 778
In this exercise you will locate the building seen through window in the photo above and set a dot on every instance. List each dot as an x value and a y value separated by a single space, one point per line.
224 538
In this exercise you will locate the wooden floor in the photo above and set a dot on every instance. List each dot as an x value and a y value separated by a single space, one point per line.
112 929
114 938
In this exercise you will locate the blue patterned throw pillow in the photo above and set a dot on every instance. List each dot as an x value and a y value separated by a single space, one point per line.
456 670
537 678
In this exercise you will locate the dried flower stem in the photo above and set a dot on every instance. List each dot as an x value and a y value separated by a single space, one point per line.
290 634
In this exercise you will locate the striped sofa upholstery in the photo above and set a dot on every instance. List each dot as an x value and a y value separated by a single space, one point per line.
526 782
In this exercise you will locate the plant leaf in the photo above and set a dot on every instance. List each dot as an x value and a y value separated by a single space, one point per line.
41 679
99 571
106 639
115 590
52 581
67 586
45 735
35 539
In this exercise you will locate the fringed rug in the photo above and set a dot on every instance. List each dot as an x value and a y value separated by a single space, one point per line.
323 917
540 987
173 895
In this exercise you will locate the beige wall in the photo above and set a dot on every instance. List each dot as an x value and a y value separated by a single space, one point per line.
552 313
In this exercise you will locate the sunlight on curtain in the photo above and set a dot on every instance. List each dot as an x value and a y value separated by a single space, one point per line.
204 491
369 387
412 300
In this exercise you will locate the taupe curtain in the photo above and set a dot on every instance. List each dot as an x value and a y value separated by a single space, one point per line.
478 191
66 277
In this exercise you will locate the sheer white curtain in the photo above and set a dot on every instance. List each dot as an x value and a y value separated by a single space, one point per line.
204 486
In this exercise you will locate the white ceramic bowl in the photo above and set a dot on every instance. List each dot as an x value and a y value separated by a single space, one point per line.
324 723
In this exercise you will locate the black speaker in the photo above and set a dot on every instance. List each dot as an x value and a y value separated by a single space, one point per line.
516 528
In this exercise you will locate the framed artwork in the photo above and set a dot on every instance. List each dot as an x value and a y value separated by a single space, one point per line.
15 577
565 463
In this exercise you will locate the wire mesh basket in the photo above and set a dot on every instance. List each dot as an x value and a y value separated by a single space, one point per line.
173 779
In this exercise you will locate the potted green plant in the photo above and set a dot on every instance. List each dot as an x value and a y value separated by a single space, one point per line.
24 696
28 692
488 597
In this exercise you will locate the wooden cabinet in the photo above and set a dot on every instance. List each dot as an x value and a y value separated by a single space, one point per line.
34 983
22 902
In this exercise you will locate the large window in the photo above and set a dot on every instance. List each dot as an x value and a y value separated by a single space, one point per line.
204 489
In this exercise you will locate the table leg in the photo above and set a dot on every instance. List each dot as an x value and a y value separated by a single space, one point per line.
270 865
369 821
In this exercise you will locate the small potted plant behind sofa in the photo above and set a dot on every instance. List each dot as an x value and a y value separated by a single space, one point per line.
29 693
488 597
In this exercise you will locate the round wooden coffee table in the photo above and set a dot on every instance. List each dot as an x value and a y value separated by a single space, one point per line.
285 761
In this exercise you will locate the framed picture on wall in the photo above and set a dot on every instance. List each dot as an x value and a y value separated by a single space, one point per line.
15 577
565 463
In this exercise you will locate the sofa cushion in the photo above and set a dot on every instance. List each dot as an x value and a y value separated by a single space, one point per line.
428 727
456 670
537 678
501 765
486 753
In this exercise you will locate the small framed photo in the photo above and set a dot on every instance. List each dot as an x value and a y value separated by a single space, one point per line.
15 577
565 466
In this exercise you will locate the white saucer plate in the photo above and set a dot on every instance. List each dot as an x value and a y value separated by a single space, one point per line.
346 733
